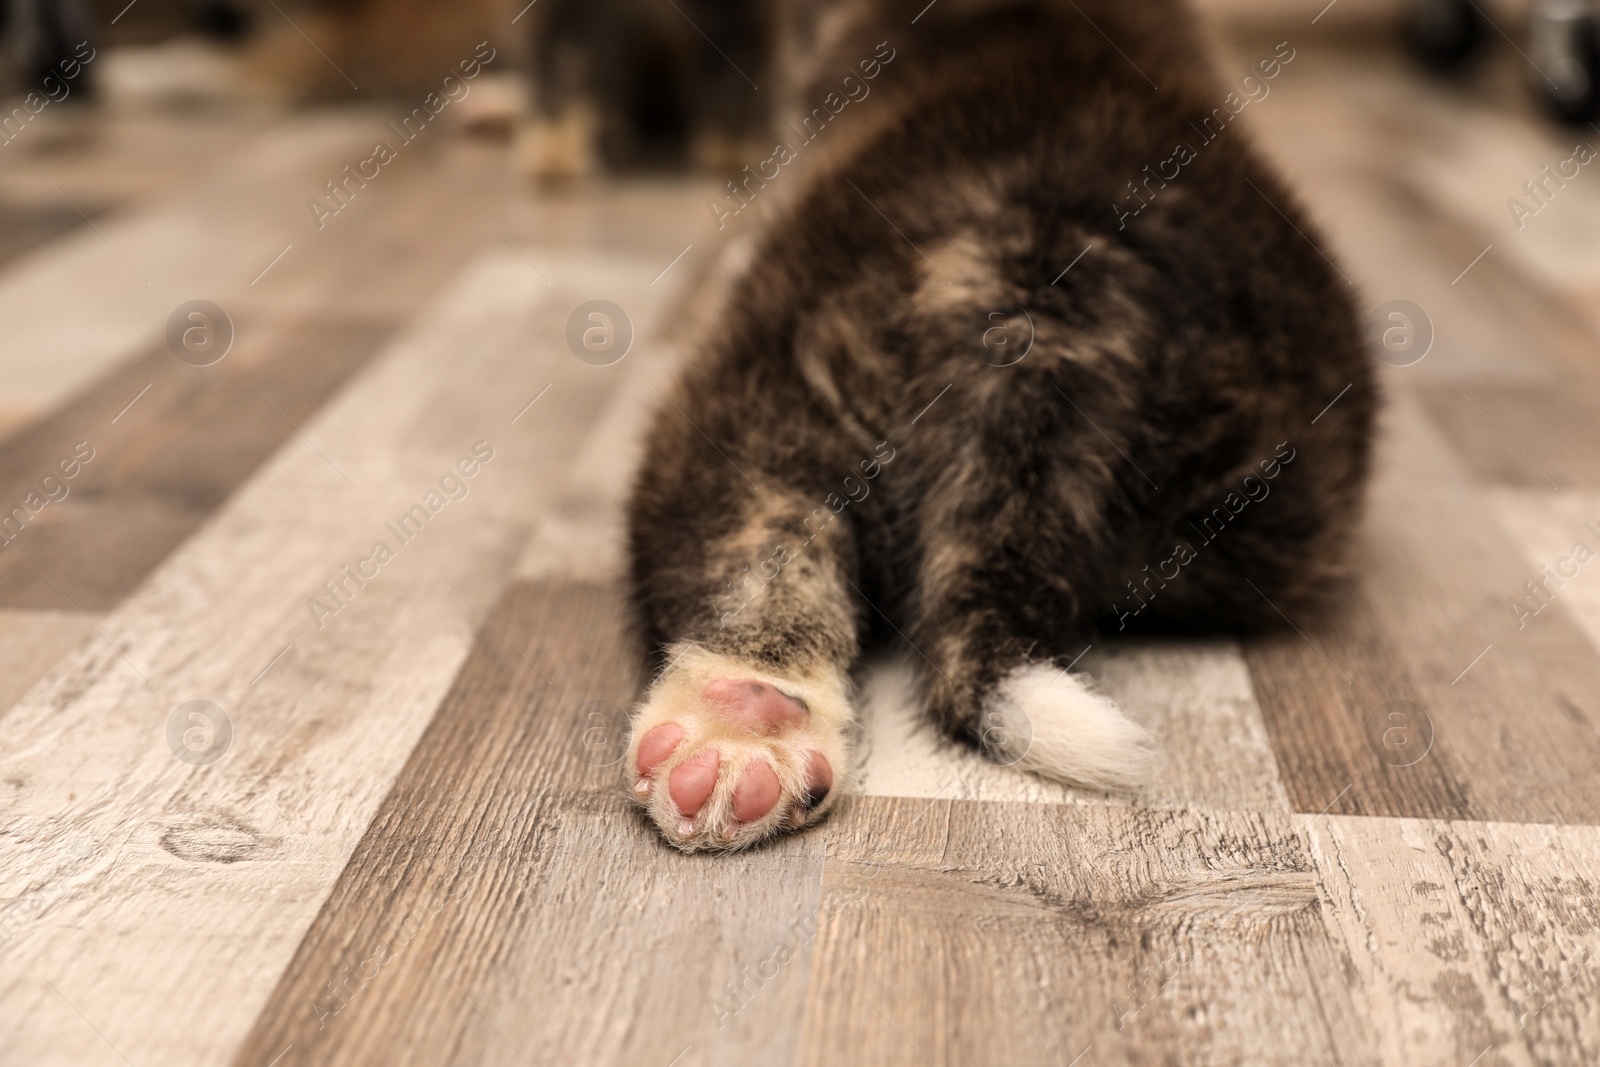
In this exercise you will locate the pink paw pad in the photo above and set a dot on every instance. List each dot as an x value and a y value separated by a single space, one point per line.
654 748
756 792
756 706
691 782
759 709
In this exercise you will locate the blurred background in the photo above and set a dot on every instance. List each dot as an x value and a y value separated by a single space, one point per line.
112 106
272 270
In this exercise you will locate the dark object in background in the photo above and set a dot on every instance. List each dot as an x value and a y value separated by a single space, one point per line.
1444 34
623 84
43 37
153 21
221 20
1564 47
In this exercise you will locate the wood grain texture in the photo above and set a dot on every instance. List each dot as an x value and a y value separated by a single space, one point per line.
172 441
1492 154
506 842
517 783
955 932
31 643
582 534
1410 196
1523 437
1435 571
1469 942
415 850
141 156
24 229
1560 547
191 436
205 234
207 877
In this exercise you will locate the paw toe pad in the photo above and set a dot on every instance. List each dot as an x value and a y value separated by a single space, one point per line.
743 760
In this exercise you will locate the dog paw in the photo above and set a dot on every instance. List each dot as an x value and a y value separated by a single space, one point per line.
725 753
561 148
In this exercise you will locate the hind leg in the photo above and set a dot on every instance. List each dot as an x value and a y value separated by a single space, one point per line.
743 733
1018 566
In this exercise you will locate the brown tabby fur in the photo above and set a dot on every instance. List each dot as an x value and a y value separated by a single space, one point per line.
800 498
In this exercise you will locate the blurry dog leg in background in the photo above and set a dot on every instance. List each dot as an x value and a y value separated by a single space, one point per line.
731 99
562 146
571 45
607 85
629 85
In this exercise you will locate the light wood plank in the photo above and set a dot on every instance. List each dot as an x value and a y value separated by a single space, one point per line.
523 750
1433 569
1527 437
206 878
1426 623
172 441
1556 534
507 848
31 643
1365 170
1490 159
186 440
583 533
1469 942
956 932
22 229
208 237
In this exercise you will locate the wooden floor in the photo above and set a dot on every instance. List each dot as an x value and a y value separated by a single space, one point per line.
1375 839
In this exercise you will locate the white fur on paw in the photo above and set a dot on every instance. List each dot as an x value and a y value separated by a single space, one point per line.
1048 721
735 716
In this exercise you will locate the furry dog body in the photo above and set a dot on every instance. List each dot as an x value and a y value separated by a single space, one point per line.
998 377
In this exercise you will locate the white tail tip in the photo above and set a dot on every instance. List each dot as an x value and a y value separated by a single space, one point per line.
1049 722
